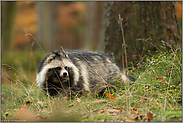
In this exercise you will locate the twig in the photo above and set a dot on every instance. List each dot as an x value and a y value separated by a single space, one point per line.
148 42
36 42
123 44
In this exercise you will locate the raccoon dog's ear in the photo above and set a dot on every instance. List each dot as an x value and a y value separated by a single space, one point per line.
50 58
63 54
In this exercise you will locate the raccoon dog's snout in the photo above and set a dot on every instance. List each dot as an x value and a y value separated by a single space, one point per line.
64 75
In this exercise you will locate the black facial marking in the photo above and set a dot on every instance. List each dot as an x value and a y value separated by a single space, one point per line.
58 68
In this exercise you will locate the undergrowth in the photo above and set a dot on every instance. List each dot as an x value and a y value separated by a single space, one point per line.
156 95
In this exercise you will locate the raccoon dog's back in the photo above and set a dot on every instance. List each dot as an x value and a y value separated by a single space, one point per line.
77 71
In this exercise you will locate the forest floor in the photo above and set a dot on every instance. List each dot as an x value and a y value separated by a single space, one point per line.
156 96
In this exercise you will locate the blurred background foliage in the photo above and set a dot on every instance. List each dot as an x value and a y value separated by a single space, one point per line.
85 26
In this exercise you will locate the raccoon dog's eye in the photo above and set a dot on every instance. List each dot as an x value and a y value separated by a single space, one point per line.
58 68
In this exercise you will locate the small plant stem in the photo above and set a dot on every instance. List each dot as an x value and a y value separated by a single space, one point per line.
123 44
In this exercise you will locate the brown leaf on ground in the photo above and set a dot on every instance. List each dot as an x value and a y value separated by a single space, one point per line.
109 105
144 119
162 80
129 120
40 102
112 112
23 109
173 86
104 120
88 106
71 105
28 102
6 114
138 117
26 116
100 101
159 78
103 111
118 107
149 116
147 87
65 98
134 110
110 96
41 117
78 100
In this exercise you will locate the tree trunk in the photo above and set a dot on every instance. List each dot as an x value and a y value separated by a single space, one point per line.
47 24
8 21
141 20
95 12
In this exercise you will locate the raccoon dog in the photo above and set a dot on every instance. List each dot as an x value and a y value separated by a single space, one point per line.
78 71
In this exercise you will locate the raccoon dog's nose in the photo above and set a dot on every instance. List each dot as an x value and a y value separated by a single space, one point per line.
65 73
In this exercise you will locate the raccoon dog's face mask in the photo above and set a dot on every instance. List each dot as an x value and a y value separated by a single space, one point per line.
58 74
54 69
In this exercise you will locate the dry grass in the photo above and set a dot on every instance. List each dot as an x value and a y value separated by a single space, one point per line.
155 96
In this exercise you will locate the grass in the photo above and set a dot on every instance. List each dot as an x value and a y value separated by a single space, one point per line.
156 95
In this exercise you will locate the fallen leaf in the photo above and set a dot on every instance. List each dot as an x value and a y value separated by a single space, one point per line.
88 106
169 96
129 120
25 115
39 116
164 77
104 120
65 98
149 116
103 111
100 101
23 109
144 119
6 114
159 78
109 105
173 86
136 118
118 107
40 102
110 96
78 100
147 87
134 109
174 116
135 112
113 112
162 80
77 116
28 102
71 105
141 116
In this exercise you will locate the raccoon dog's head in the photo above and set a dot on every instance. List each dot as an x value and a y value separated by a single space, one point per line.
54 69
